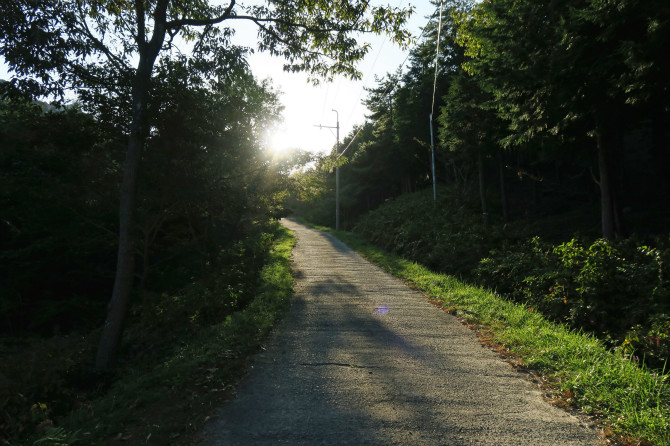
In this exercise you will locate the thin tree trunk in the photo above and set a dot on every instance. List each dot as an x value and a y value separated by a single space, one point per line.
482 191
609 217
125 267
503 192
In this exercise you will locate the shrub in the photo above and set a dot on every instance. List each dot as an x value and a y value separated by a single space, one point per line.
448 236
44 379
619 291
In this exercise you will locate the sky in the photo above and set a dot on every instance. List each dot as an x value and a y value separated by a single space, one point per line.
307 106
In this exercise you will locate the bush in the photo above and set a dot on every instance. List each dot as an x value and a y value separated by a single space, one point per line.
619 291
448 236
59 176
160 320
42 380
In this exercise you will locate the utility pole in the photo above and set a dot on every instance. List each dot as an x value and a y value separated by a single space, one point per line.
337 173
432 154
337 169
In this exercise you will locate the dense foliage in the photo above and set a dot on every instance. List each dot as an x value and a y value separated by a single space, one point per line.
207 188
449 237
59 171
538 108
550 120
206 179
618 291
183 340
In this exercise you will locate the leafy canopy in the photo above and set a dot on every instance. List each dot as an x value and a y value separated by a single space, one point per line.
55 45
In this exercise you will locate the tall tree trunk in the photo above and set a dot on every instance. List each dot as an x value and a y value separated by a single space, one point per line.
125 267
609 204
659 150
482 189
503 192
125 263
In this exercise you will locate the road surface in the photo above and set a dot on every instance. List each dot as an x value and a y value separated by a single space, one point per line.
362 359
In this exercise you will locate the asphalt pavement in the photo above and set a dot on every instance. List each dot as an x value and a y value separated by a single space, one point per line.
362 359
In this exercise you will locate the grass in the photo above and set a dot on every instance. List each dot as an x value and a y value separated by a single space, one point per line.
633 403
170 403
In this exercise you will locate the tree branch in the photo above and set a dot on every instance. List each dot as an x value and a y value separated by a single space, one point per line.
85 74
196 47
227 15
140 38
160 28
258 20
203 22
172 32
99 44
286 42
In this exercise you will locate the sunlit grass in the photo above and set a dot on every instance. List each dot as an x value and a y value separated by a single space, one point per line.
632 401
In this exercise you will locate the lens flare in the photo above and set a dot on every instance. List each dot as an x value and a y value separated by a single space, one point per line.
381 309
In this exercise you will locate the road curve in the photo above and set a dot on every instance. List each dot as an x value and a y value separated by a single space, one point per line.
362 359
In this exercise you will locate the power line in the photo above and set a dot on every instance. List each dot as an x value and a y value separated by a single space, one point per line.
437 57
367 77
388 88
432 107
370 71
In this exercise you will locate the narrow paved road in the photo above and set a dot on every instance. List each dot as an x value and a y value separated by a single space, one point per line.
361 359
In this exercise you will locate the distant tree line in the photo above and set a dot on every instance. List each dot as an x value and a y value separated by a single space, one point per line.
540 107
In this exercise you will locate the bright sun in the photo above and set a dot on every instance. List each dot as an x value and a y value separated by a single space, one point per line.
279 142
299 130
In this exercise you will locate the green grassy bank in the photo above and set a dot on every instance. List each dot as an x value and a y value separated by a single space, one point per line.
633 403
169 402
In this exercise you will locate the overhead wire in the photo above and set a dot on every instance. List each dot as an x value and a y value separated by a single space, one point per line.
365 80
432 107
370 71
437 58
388 88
